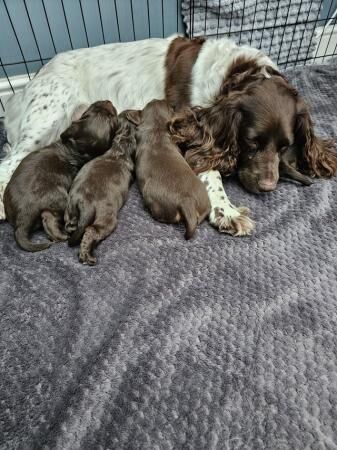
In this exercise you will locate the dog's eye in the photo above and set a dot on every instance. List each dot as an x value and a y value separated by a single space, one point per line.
284 149
252 147
252 144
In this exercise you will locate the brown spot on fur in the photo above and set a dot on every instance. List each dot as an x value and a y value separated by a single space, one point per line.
181 56
218 212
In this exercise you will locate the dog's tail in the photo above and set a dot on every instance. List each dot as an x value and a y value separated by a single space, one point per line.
190 215
77 223
23 241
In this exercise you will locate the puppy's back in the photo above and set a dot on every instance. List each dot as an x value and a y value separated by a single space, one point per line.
169 187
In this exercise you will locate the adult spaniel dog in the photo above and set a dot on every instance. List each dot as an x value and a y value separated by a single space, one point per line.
251 110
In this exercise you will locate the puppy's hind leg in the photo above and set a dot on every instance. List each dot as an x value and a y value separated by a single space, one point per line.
52 224
93 235
190 215
22 234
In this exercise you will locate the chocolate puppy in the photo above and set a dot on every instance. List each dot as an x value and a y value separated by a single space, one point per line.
38 190
99 191
171 191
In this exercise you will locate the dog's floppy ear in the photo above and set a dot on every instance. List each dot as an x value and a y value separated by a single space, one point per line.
71 134
79 111
318 156
194 137
223 120
184 127
134 116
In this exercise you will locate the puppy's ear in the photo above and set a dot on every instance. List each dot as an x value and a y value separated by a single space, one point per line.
79 111
318 156
134 116
71 134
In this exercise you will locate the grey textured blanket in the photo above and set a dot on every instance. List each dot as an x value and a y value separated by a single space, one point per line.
283 29
217 343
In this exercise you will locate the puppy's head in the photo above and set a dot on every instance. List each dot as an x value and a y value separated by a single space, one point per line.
155 114
125 138
92 134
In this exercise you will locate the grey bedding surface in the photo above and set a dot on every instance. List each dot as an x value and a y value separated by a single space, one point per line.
216 343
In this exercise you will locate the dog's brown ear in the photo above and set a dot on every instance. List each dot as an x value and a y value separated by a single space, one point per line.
184 127
223 120
79 111
318 156
134 116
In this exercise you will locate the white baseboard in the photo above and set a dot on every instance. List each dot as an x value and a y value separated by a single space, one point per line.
18 82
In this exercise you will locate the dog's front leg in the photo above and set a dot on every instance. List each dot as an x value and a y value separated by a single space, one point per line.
224 216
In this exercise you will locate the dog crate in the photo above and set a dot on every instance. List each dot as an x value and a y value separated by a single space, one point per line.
291 32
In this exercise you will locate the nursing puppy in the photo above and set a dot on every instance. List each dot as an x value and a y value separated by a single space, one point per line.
38 190
99 191
171 191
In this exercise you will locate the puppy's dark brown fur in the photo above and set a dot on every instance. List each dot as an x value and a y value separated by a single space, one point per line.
37 192
171 191
99 191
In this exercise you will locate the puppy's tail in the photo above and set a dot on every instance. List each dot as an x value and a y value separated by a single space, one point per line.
23 241
190 215
71 216
84 218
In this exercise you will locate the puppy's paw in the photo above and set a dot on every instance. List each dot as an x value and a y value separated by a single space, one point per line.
86 258
232 220
62 237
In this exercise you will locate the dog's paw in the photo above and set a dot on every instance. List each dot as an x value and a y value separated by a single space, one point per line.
232 220
87 258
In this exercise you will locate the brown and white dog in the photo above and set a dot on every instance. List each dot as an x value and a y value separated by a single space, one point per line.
252 110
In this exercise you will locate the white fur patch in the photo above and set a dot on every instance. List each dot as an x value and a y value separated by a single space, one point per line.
211 67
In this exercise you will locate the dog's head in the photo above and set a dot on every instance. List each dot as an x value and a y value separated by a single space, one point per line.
92 134
256 118
267 128
275 119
